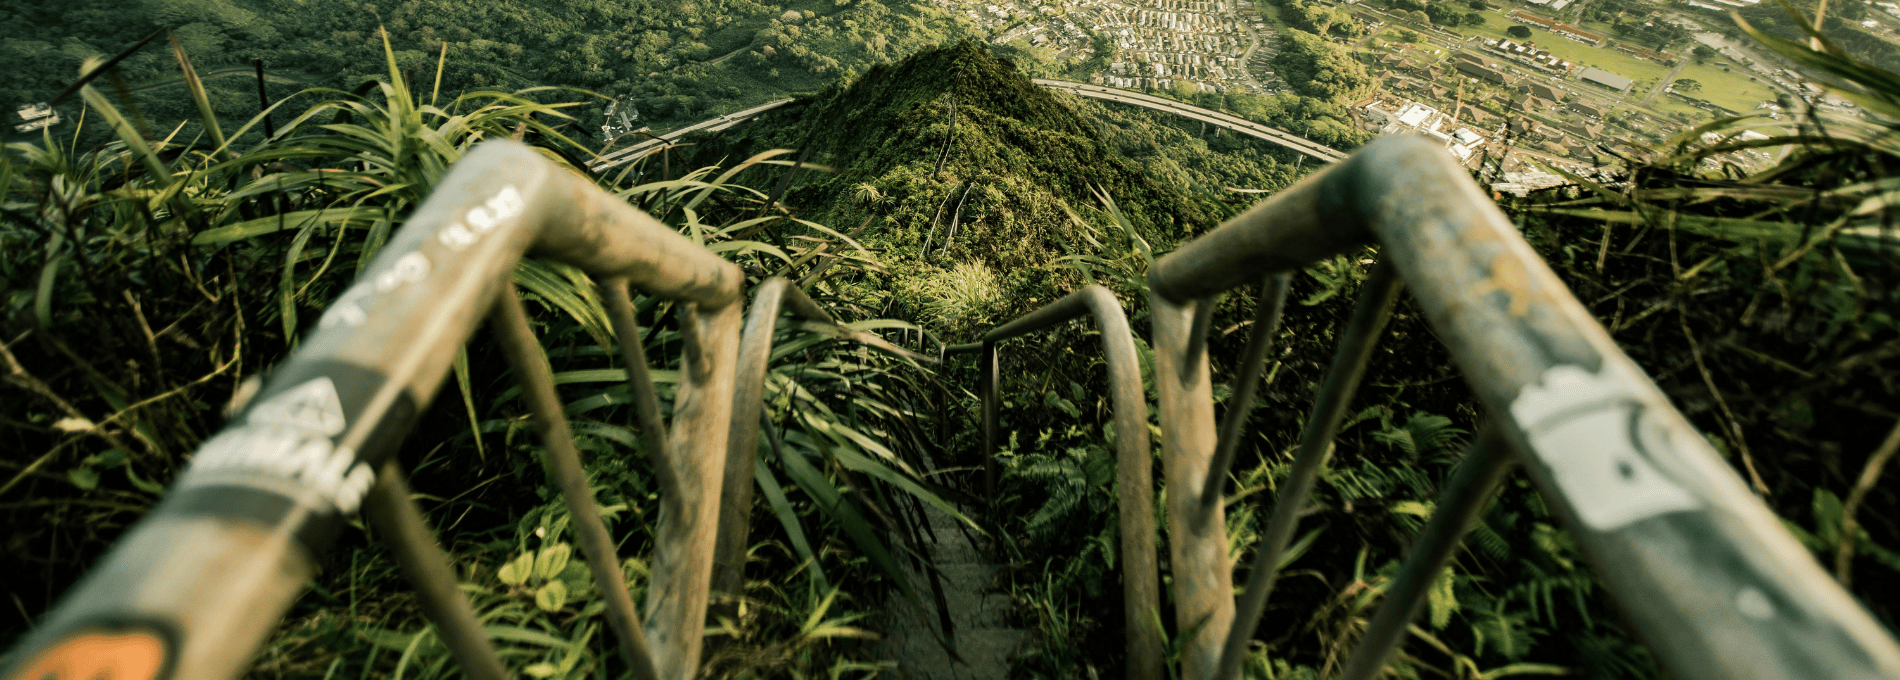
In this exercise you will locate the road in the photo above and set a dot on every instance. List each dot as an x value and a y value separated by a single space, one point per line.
638 151
1660 84
222 73
1310 148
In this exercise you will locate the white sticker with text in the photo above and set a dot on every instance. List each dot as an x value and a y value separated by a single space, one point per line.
1595 436
482 219
290 435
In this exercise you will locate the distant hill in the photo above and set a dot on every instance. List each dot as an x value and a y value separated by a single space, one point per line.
956 137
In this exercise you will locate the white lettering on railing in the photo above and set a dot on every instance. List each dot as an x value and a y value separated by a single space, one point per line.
1595 435
414 266
483 218
291 435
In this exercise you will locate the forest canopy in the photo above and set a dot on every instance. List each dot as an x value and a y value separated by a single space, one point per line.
1318 68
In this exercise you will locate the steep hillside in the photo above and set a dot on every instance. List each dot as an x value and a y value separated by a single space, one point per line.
966 174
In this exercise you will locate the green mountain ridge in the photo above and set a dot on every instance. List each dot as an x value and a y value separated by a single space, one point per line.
957 149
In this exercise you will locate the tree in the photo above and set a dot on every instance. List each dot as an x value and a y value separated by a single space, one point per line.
1474 19
1687 85
1478 5
1703 53
1320 69
1519 32
1407 35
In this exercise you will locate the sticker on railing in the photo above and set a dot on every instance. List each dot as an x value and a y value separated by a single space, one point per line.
348 310
1596 438
291 435
482 219
93 653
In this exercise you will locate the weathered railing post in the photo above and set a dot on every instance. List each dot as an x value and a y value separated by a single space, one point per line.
1134 479
742 453
1197 531
1709 578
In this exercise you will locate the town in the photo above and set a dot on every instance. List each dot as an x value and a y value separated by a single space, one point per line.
1527 85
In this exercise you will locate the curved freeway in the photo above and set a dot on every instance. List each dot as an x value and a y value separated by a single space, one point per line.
637 151
1315 150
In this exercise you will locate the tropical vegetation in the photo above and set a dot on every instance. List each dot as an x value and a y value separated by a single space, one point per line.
147 266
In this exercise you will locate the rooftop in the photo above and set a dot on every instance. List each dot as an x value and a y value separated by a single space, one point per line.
1605 78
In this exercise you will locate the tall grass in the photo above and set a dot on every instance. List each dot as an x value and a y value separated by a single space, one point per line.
147 275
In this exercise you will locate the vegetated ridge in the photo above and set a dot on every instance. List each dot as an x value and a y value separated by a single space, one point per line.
958 168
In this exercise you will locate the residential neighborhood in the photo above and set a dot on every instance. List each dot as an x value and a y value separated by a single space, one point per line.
1556 81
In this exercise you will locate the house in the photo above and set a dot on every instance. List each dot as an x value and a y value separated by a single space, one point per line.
1584 131
1597 76
1588 110
1480 117
1537 89
1483 73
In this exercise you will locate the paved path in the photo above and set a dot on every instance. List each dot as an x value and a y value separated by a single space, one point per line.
1680 63
1316 150
978 614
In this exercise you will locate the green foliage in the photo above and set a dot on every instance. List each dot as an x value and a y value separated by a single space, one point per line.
1439 12
676 61
178 232
1321 19
959 301
1318 68
1841 27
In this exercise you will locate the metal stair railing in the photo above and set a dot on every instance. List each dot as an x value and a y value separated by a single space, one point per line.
772 297
1134 482
1704 571
196 587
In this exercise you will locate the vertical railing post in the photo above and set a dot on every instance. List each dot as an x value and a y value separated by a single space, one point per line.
1459 505
987 385
1356 343
400 525
1197 532
689 522
510 322
742 445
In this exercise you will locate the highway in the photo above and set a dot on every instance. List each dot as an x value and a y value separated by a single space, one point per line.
1310 148
629 154
1315 150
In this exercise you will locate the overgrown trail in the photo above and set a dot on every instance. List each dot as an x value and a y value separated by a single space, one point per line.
982 636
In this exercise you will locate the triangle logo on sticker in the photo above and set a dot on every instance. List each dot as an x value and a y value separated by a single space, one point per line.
312 406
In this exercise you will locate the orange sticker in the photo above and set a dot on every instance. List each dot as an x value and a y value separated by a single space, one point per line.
100 656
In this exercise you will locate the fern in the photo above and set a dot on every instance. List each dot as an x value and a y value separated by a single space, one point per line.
1422 433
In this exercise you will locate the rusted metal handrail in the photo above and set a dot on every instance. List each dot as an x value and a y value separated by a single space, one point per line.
1134 480
742 448
1709 578
1374 308
198 584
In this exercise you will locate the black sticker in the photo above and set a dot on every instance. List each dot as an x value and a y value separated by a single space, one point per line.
293 432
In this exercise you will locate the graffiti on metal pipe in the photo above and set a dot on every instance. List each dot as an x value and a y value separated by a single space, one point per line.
292 434
93 653
476 222
482 219
1597 438
348 310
